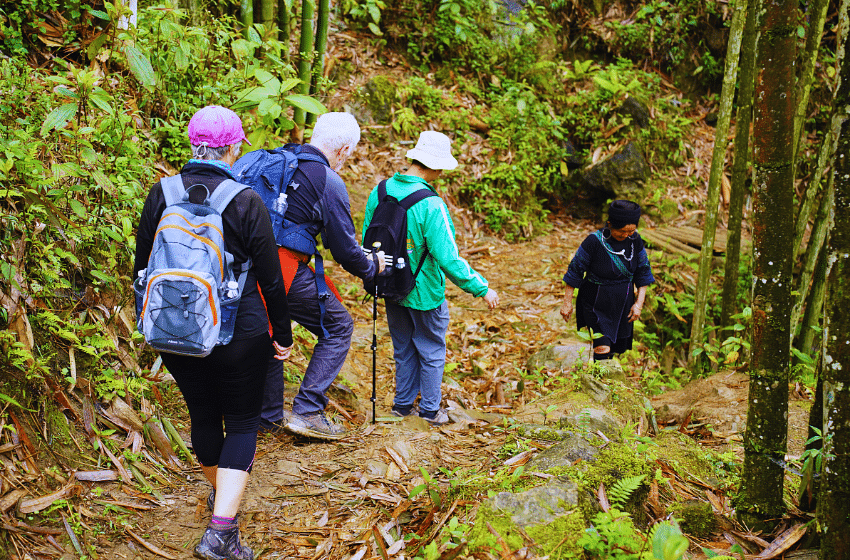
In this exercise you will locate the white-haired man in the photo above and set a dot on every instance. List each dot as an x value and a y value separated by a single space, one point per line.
318 202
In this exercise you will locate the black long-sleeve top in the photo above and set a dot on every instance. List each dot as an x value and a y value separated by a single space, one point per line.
248 235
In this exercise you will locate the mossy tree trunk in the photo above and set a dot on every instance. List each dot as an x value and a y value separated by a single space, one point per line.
834 498
816 246
718 159
321 47
305 60
765 440
743 119
816 11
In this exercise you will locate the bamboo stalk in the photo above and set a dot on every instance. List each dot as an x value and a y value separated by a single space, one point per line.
305 59
817 17
320 49
743 118
717 162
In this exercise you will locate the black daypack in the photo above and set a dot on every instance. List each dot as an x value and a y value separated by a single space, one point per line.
389 227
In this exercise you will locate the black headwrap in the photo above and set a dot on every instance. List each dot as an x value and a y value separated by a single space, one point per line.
622 213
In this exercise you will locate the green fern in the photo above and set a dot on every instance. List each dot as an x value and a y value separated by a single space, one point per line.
623 490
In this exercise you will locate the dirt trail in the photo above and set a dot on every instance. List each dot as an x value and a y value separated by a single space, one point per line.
308 499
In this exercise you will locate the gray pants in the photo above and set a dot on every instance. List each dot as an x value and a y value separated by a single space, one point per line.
328 355
419 349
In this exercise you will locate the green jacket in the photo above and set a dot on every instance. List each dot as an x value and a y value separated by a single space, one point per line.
429 221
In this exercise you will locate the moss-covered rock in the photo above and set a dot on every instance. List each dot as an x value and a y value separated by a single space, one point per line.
696 518
378 96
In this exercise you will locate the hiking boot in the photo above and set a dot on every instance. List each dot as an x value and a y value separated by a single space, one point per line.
440 419
211 500
315 426
274 427
222 544
414 410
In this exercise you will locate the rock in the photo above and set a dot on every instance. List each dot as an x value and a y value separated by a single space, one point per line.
611 369
711 119
592 420
560 357
595 388
378 95
697 518
637 110
564 453
622 175
573 160
539 505
538 431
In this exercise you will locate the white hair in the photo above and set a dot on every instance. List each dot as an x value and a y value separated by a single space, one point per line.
202 151
334 131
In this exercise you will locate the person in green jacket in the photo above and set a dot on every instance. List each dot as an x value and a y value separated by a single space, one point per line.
418 324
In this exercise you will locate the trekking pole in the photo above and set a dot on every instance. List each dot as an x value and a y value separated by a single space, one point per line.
375 248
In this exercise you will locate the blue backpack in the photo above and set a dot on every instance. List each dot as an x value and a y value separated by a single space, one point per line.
188 296
269 173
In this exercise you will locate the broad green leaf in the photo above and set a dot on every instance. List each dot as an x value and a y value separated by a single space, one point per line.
266 105
242 48
288 84
140 66
102 101
375 29
98 13
416 491
103 277
268 81
65 92
254 37
103 181
305 103
77 207
59 117
114 235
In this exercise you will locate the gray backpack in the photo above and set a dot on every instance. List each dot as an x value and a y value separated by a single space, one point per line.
188 296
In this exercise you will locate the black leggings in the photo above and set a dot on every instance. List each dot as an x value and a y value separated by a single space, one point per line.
227 384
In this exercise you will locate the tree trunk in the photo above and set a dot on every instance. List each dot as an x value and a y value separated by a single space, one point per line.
718 158
760 495
807 340
246 14
284 12
743 118
817 14
816 246
305 57
320 48
834 499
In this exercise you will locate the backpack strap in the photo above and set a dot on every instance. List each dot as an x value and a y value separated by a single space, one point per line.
412 199
172 189
224 193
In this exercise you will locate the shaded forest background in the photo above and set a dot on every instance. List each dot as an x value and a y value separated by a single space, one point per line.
535 95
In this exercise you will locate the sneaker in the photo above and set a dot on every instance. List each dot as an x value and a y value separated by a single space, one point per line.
414 410
440 419
222 544
274 427
211 500
315 426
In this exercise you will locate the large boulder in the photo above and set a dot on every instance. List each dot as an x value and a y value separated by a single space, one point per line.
622 175
560 357
539 505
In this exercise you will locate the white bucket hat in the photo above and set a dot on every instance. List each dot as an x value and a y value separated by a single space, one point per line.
434 150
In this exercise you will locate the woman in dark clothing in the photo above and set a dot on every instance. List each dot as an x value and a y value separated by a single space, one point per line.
608 266
224 390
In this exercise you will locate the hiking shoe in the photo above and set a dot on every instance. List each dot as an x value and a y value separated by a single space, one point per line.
274 427
414 410
440 419
222 544
211 500
315 426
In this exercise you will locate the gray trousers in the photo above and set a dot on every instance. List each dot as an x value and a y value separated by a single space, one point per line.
328 355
